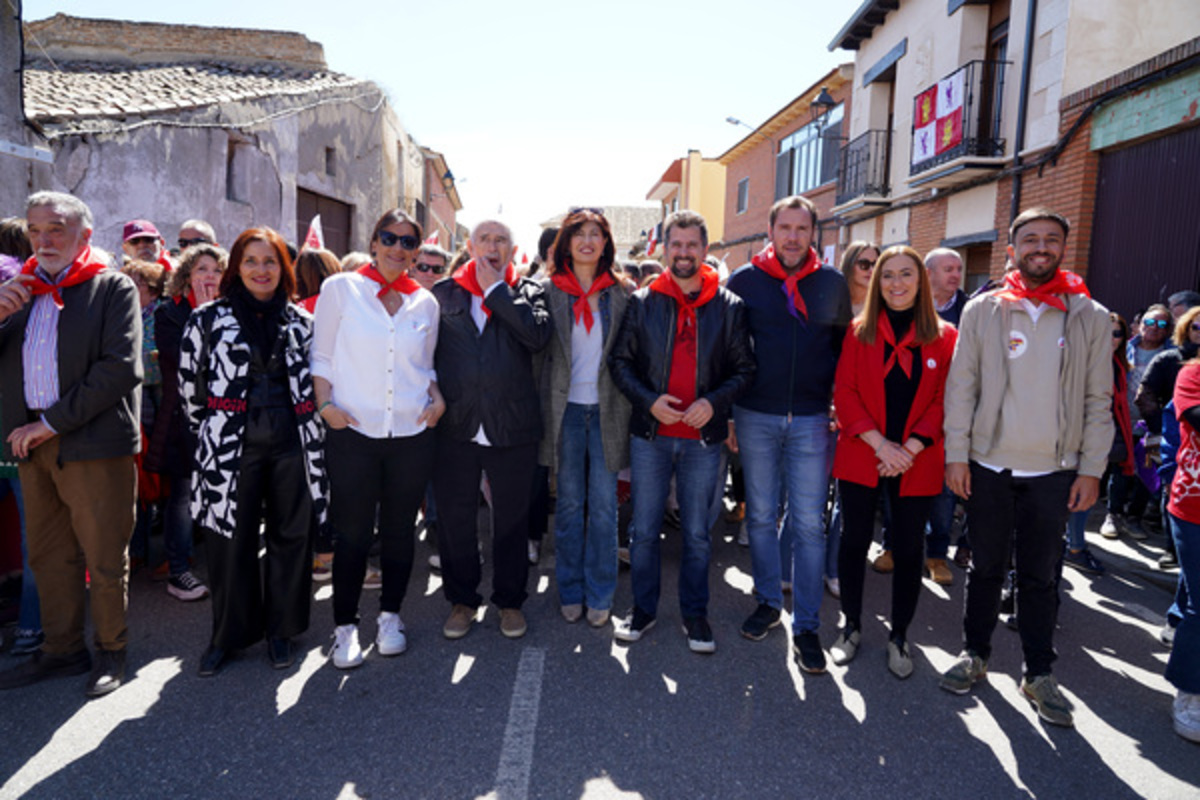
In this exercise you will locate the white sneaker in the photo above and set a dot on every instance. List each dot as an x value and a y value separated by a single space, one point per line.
346 652
1187 716
1111 527
390 640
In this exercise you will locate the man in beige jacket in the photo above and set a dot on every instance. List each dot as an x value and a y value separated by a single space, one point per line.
1028 430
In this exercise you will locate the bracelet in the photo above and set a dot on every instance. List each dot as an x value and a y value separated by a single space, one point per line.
321 407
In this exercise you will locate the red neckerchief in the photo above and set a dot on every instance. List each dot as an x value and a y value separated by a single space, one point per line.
83 269
902 353
403 284
686 315
769 263
1063 282
465 277
164 261
565 279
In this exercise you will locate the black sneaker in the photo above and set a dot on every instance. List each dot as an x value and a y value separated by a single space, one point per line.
632 628
699 635
807 647
762 620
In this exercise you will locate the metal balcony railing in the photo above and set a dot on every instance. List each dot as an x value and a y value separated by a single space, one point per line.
959 116
863 166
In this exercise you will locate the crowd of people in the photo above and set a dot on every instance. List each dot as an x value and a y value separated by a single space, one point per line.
302 413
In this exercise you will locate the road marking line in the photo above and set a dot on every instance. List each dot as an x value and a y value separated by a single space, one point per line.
516 756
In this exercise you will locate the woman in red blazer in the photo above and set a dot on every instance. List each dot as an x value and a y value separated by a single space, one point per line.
888 398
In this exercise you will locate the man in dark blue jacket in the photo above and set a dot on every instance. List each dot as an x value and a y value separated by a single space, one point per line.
682 357
798 312
491 324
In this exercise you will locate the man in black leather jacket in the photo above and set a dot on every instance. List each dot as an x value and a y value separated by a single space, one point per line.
682 357
491 325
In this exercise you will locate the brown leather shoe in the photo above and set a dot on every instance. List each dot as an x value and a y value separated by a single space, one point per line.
45 665
459 622
512 623
883 562
939 572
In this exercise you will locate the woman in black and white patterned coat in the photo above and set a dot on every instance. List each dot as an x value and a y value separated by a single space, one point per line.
244 377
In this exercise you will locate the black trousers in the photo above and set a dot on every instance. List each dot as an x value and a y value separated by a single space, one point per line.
272 597
1021 518
456 475
907 541
367 476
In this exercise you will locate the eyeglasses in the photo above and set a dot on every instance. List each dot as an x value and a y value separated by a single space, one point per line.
577 209
434 268
137 240
389 239
1117 334
186 243
1162 323
865 265
1195 326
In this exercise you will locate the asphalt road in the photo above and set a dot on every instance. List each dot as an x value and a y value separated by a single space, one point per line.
565 712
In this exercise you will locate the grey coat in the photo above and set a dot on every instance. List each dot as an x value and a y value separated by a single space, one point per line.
555 377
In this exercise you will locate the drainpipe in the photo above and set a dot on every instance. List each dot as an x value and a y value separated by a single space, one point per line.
1022 108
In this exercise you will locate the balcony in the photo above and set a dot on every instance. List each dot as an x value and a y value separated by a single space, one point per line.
957 125
863 166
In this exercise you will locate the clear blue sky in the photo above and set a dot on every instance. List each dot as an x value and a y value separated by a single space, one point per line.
539 105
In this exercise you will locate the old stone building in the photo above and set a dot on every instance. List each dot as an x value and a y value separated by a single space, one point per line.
238 127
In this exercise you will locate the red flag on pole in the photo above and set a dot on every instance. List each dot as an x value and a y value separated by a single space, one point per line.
432 239
315 239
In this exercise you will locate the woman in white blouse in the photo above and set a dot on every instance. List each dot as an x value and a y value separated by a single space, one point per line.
376 389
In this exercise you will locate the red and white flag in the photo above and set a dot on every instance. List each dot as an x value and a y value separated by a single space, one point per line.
653 243
937 118
315 238
433 240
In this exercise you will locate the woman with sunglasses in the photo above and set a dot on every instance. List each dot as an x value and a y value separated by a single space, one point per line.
244 378
857 263
586 418
372 361
888 398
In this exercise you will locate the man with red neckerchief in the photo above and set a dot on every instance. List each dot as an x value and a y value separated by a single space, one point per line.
798 313
1028 431
491 325
70 363
682 357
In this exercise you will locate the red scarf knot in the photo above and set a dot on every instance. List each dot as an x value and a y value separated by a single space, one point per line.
465 277
83 269
1063 282
902 351
565 280
686 309
767 261
403 284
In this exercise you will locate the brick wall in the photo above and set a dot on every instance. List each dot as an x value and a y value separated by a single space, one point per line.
66 38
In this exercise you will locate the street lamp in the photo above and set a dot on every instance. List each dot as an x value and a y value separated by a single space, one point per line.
820 107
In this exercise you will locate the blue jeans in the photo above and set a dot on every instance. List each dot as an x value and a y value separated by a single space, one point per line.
1183 667
30 613
1076 524
695 466
585 519
177 524
799 450
941 522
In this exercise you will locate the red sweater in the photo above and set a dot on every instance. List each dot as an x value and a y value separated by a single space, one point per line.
860 404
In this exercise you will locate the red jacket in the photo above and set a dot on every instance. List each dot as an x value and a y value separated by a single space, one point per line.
858 398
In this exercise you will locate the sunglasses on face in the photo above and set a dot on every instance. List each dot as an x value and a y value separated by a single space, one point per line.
140 240
1195 327
865 265
577 209
186 243
1162 323
434 268
389 239
1117 334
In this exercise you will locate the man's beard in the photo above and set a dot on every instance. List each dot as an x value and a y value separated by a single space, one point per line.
683 273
